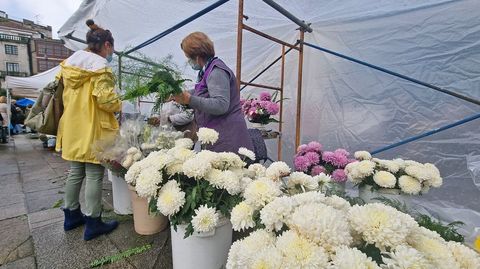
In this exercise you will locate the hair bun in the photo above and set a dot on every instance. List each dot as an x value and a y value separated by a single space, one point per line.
91 24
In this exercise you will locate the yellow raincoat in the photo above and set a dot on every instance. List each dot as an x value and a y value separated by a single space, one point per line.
89 105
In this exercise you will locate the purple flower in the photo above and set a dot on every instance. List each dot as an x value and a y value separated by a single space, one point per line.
302 149
313 157
273 108
265 96
339 175
317 170
301 163
337 159
342 151
315 146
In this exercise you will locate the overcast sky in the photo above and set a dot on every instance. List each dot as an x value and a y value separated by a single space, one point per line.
49 12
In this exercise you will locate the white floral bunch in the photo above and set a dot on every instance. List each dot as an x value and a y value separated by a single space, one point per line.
207 136
408 176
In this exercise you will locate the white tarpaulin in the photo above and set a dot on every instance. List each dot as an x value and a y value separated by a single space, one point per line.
35 82
344 104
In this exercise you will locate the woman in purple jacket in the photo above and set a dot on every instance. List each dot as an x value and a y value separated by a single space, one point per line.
215 99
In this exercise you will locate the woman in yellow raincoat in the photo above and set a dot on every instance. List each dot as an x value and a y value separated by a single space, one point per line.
89 105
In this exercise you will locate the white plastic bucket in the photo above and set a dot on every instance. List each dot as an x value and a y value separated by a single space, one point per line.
122 204
369 196
202 250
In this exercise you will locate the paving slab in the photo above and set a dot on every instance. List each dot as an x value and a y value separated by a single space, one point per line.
44 199
15 242
25 263
159 256
55 248
13 210
46 217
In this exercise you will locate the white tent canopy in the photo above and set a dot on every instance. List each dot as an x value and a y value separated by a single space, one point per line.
344 104
35 82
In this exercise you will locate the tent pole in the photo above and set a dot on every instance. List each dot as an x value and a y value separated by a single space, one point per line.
299 90
239 43
280 124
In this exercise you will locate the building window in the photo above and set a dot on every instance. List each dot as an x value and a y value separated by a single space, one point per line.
11 49
13 67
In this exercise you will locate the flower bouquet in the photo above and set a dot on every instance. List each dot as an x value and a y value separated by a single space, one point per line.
261 110
313 160
196 191
311 230
404 176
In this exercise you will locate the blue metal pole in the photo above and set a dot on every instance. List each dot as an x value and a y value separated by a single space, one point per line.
413 138
178 26
463 97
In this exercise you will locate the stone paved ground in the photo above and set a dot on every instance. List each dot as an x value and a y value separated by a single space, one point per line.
31 231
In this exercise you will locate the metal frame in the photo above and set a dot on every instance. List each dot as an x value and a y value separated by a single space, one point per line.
298 46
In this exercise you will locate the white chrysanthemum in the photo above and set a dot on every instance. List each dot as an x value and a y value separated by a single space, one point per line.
405 257
391 166
261 192
207 136
175 168
277 170
267 258
148 182
244 181
132 151
322 224
417 171
242 217
358 171
298 252
300 179
207 155
433 248
323 179
352 258
409 185
362 155
205 219
182 154
466 257
133 172
400 162
337 203
381 225
196 168
170 198
231 182
307 198
275 213
247 153
227 160
385 179
185 143
215 177
258 169
435 180
242 251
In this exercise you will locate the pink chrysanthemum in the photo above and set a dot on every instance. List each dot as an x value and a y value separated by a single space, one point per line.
265 96
273 108
342 151
313 157
317 170
302 149
337 159
314 146
301 163
339 175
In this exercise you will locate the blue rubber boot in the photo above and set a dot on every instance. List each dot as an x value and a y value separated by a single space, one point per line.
73 219
95 227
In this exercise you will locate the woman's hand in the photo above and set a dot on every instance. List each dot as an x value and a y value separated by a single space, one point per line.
182 98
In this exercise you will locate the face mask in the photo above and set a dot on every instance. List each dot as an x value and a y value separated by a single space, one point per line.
194 65
109 58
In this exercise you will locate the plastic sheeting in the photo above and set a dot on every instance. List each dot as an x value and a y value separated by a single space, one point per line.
343 104
35 82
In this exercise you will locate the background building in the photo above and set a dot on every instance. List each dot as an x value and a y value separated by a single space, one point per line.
27 48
